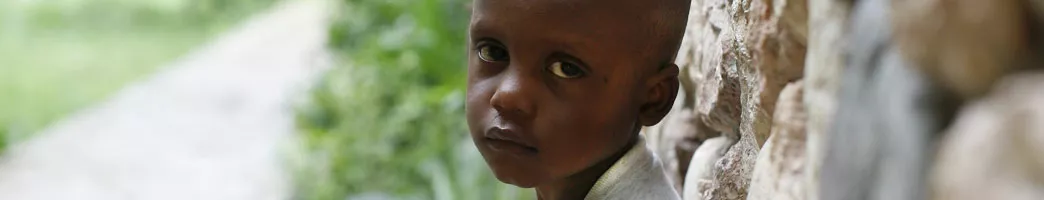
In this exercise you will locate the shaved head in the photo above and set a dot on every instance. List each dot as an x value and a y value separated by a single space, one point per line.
661 23
669 18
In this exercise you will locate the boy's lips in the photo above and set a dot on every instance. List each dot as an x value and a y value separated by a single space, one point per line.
501 139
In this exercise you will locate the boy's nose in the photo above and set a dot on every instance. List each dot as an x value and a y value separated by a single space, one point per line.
513 98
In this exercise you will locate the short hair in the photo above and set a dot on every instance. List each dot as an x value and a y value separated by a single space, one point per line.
669 19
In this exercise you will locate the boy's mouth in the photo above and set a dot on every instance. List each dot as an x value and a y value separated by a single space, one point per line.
506 140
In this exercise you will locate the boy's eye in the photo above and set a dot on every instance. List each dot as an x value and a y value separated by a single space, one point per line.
565 70
491 53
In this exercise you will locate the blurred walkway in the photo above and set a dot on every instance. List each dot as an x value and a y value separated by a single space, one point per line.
211 126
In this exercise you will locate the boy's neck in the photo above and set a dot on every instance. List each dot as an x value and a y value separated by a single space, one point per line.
577 186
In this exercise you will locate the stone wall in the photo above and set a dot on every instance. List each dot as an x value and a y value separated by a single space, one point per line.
856 99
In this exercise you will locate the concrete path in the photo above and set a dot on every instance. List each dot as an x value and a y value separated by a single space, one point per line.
211 126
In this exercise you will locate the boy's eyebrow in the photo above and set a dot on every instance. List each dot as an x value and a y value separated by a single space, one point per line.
483 28
477 28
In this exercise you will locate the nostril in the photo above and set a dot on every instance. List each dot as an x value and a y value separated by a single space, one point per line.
505 108
510 105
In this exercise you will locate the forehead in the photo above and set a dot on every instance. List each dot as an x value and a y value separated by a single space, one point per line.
565 9
604 26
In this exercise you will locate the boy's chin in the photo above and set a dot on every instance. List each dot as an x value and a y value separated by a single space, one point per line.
518 182
522 173
515 176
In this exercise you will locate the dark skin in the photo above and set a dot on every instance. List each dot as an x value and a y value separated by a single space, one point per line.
557 94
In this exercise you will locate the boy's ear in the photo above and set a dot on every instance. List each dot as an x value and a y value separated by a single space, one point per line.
661 89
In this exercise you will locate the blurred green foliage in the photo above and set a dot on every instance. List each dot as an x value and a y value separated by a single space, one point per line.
388 123
58 56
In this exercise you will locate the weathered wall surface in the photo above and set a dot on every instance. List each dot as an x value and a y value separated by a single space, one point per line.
857 99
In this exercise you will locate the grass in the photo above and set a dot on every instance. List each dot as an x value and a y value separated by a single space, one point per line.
389 122
59 56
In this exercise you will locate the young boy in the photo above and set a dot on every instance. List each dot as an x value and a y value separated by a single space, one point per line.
558 90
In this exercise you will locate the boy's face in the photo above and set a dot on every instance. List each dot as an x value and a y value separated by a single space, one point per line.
554 86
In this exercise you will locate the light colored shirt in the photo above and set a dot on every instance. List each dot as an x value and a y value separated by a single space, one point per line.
637 175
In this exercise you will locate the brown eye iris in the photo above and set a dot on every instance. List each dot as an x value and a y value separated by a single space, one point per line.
491 53
565 70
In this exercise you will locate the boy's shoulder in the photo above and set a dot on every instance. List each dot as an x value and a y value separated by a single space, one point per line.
637 175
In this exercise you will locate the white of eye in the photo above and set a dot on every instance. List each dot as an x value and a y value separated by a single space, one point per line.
486 54
565 70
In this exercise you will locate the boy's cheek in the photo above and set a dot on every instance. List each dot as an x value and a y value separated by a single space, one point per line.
476 105
599 125
480 89
573 122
